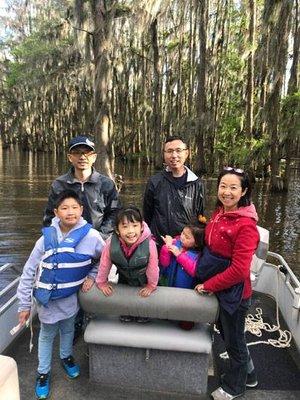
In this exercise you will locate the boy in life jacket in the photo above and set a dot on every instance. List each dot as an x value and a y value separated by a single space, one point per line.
63 261
132 250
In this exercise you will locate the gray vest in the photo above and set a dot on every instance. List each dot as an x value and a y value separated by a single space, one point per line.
132 270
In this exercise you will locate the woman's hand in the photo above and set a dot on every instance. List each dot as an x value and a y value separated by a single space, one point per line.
23 317
87 284
107 290
146 291
200 289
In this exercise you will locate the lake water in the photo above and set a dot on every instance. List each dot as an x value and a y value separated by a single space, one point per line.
25 179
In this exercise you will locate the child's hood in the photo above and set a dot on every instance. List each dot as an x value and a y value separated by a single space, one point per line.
146 234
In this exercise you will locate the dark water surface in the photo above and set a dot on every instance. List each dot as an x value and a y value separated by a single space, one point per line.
25 179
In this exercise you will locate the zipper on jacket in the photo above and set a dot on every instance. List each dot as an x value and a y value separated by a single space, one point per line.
216 219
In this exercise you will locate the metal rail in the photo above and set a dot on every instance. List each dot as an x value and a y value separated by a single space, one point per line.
6 305
292 282
288 269
5 267
9 286
4 291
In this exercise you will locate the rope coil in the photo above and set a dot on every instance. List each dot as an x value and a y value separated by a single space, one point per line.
255 325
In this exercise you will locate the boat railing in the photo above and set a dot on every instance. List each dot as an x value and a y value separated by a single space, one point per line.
6 290
291 281
5 267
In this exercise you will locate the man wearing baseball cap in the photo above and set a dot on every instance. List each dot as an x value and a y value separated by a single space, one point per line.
97 192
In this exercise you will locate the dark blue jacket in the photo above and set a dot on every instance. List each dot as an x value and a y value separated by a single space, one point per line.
210 264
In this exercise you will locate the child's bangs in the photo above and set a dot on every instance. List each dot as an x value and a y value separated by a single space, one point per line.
129 215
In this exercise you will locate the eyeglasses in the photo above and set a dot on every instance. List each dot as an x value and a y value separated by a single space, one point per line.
177 151
236 170
79 153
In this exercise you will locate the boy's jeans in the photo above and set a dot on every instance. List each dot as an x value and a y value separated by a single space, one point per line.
46 338
232 329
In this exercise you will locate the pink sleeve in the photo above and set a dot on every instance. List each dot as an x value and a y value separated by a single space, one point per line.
187 263
104 266
165 256
152 270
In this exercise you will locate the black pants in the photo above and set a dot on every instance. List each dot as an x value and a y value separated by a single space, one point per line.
232 329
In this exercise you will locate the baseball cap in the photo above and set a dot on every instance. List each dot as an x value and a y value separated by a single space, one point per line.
81 141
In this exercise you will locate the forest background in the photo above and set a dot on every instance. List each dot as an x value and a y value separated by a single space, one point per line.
224 74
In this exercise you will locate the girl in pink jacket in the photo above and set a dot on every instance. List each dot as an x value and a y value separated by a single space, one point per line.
134 253
178 256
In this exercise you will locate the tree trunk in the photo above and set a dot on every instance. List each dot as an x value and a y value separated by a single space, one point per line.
201 90
250 74
156 95
292 88
278 58
102 78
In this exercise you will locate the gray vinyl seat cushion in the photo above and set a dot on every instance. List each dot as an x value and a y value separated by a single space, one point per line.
164 303
158 334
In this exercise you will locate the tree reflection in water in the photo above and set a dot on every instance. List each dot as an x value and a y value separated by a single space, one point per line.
25 179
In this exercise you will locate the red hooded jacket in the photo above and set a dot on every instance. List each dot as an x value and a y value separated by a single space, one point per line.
233 235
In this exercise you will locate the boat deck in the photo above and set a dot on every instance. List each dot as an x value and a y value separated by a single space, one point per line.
277 368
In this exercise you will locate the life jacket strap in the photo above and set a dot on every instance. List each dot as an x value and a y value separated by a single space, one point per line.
49 253
53 286
65 265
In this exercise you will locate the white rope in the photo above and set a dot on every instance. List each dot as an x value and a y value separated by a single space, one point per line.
256 325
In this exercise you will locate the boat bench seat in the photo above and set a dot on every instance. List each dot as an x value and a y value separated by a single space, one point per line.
149 356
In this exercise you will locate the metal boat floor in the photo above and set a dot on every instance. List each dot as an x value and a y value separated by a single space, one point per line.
278 370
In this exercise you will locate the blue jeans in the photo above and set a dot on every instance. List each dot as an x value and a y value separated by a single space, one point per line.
232 329
46 338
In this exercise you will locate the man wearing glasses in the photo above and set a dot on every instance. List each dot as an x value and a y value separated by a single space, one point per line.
175 196
97 192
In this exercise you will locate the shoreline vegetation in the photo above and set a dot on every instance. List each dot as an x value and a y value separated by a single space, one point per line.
225 75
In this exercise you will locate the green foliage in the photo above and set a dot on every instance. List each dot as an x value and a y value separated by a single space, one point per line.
34 59
55 60
290 115
173 44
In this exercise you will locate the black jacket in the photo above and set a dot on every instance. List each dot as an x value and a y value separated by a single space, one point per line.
99 197
167 209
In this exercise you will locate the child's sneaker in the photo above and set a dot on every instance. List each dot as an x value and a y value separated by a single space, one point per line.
42 386
126 318
186 325
70 367
220 394
142 320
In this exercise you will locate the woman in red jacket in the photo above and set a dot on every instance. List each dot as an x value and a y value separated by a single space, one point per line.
232 234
